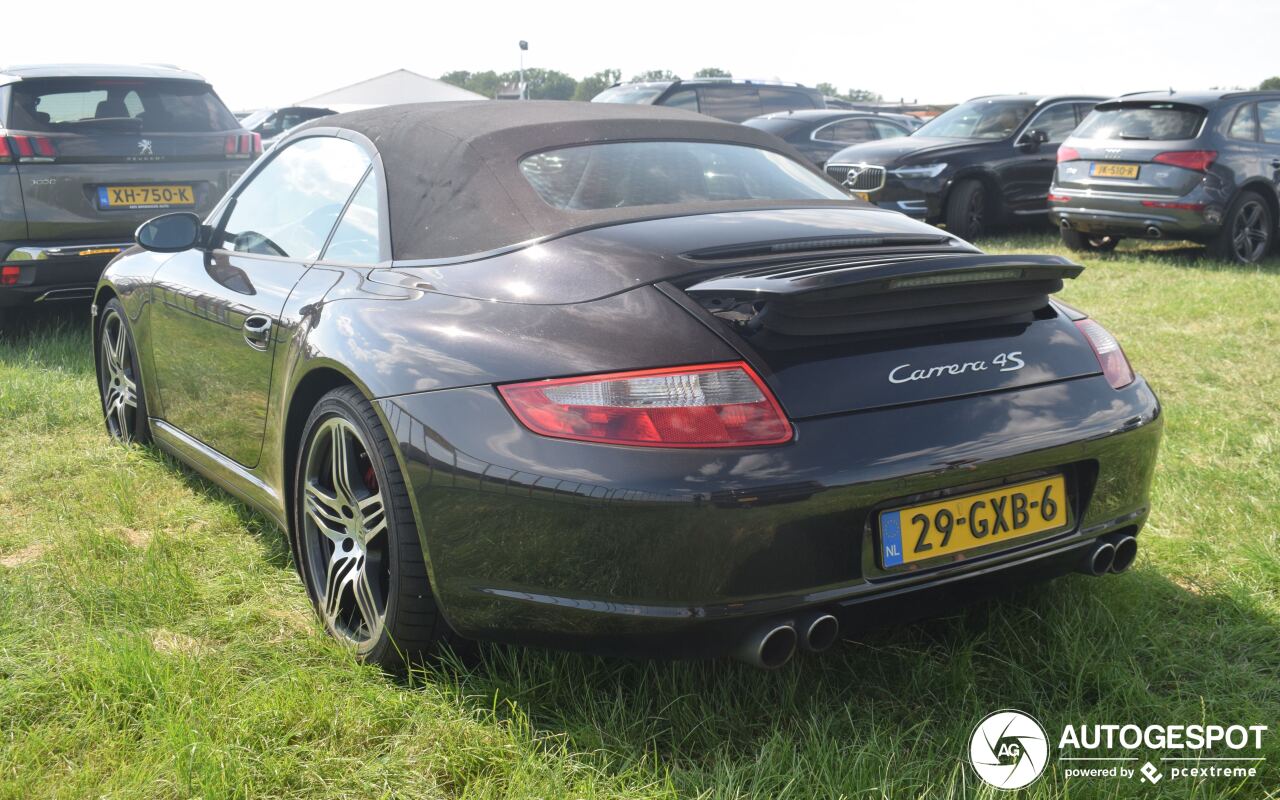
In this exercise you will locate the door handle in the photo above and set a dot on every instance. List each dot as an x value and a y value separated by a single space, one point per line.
257 331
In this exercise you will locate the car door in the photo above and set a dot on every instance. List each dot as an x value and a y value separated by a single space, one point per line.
215 311
1029 171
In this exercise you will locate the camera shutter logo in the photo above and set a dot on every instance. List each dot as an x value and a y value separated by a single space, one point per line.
1009 749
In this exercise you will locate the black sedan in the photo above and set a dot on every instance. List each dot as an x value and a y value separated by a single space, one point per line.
617 378
820 133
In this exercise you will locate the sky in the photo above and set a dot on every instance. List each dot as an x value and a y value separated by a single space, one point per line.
265 53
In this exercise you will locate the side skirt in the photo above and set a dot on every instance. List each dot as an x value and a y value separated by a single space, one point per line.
231 476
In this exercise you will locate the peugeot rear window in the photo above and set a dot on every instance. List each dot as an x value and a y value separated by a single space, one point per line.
1157 122
86 105
621 174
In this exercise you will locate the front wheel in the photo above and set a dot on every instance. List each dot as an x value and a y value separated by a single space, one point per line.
966 212
1247 231
357 547
124 407
1079 242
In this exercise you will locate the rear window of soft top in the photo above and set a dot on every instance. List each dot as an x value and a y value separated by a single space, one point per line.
86 105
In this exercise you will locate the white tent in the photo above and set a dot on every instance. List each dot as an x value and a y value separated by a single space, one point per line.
400 86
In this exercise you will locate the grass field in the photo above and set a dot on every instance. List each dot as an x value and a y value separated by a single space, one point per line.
156 643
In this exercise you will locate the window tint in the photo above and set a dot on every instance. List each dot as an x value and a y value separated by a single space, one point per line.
1245 124
621 174
887 130
355 240
774 99
1269 115
684 98
846 131
1082 110
1155 122
290 205
86 105
631 93
1058 121
733 102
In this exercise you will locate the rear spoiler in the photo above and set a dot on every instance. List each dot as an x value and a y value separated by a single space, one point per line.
883 292
887 274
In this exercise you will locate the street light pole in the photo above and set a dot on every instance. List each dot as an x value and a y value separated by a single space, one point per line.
523 47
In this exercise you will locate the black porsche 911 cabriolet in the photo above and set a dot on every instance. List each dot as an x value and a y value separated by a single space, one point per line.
616 378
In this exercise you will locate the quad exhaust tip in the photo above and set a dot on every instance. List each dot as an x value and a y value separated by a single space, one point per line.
770 647
1126 551
1098 560
821 632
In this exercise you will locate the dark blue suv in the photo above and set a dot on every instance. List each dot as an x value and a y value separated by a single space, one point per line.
1201 166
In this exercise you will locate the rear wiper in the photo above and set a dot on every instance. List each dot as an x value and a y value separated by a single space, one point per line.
1134 136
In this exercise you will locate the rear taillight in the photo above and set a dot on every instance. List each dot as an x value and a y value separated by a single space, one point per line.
710 405
9 276
6 154
1173 205
1115 367
1198 160
243 145
40 147
1068 154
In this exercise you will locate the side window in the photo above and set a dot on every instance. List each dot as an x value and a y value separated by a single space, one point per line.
732 102
774 99
1058 121
355 240
1269 117
1245 124
887 130
289 207
684 98
846 131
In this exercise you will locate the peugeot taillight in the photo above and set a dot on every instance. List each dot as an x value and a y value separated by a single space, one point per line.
1068 154
1198 160
709 405
9 275
6 154
1115 366
26 147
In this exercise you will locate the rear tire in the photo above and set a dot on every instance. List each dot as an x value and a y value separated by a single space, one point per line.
967 213
357 539
1081 243
1248 230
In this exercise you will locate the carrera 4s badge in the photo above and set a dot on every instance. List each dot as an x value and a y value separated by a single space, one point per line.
1006 362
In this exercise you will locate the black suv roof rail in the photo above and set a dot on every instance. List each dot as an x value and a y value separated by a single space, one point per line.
752 81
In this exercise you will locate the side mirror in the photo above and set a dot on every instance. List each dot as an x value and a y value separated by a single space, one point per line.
169 233
1032 139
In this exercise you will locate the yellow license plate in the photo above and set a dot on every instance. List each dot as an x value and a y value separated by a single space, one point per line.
1114 170
950 526
145 196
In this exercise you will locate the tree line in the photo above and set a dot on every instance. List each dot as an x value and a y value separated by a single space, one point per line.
551 84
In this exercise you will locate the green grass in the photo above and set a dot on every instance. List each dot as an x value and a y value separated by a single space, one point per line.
155 642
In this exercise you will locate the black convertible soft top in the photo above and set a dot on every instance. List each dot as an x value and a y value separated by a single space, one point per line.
454 186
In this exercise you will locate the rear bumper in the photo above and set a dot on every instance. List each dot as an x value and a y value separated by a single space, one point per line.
1125 215
666 552
56 272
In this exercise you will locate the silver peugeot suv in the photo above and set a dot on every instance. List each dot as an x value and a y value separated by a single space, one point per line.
88 152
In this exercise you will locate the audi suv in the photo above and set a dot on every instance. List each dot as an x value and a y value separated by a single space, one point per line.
1199 166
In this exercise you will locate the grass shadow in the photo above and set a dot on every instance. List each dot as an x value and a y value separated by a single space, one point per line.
54 337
